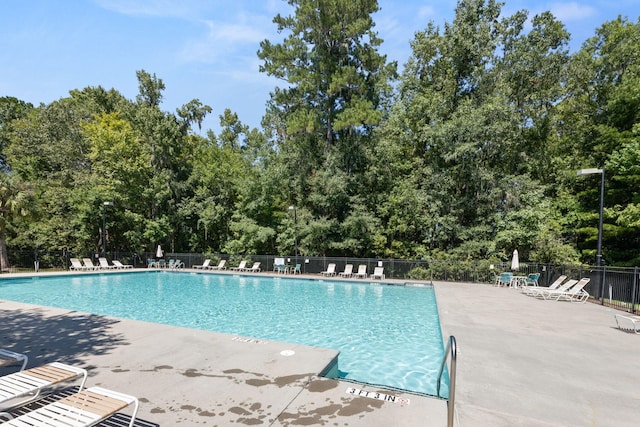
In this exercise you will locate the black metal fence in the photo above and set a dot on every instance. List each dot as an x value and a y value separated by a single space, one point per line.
616 287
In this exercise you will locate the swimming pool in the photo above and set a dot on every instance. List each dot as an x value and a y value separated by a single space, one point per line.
387 335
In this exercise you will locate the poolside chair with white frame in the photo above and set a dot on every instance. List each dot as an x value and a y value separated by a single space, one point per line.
29 383
348 271
82 409
362 272
254 268
76 265
633 322
504 279
241 266
176 264
378 273
554 285
88 264
541 292
204 265
574 294
8 358
104 264
221 265
330 271
120 266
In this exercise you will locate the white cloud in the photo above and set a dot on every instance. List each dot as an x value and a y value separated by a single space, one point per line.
574 11
225 39
427 12
160 8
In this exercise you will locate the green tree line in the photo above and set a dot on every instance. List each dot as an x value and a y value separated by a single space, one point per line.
469 153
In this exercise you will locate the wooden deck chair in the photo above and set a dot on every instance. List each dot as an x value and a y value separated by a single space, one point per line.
85 408
29 383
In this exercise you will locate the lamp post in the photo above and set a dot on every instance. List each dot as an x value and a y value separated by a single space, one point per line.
295 230
104 227
592 171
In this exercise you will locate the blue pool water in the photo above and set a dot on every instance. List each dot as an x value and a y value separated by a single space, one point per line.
387 335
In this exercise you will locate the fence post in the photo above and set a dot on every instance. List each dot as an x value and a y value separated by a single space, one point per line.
634 291
603 275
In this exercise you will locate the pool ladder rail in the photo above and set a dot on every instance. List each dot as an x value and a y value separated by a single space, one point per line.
449 352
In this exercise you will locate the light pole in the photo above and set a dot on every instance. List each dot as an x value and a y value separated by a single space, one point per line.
104 227
295 230
592 171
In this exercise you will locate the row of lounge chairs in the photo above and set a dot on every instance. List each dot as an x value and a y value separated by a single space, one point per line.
87 265
86 407
222 265
378 272
561 289
172 264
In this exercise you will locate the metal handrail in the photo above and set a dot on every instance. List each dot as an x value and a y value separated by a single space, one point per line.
450 351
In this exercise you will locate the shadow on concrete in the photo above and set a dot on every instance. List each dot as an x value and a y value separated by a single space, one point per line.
46 337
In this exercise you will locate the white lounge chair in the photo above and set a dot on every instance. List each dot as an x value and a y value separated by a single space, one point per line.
30 382
348 271
330 271
104 264
88 264
574 294
540 292
378 273
76 265
630 320
83 409
120 266
362 272
554 285
221 265
255 267
204 265
8 357
240 267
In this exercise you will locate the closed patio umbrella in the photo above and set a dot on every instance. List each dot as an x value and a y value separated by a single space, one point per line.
515 262
159 252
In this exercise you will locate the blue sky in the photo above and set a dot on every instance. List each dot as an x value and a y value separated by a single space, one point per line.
204 49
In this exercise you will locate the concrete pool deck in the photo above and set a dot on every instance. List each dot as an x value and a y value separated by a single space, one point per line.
521 362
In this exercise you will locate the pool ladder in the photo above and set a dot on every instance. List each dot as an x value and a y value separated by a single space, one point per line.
449 351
